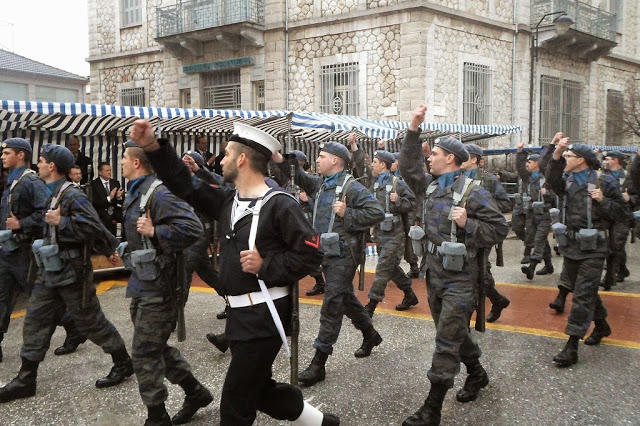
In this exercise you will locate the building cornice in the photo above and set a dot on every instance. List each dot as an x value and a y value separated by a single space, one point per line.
126 54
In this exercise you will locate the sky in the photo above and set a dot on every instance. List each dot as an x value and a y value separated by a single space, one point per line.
54 32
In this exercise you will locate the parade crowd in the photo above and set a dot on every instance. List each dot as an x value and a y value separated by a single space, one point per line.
432 204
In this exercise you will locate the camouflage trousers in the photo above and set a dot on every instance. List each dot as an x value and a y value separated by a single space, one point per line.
451 305
153 359
583 278
390 252
489 282
339 300
534 232
14 267
46 308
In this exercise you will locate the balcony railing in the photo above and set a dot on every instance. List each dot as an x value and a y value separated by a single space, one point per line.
196 15
588 19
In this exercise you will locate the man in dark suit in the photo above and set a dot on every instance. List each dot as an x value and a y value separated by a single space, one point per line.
107 197
73 145
202 148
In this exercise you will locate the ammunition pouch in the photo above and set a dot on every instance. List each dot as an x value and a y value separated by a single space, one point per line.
387 224
50 257
560 232
517 198
416 233
453 255
124 255
143 262
588 239
636 216
7 241
538 207
330 243
35 248
526 203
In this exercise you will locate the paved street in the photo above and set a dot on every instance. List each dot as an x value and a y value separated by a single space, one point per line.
525 388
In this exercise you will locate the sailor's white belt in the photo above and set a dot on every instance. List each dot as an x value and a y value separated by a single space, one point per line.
255 298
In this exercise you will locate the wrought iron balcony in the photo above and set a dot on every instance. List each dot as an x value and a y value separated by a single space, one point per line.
588 20
196 15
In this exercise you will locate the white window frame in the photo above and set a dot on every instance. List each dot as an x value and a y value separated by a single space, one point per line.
234 88
563 113
342 58
131 13
476 60
477 108
259 103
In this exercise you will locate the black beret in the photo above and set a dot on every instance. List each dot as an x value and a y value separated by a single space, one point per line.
454 146
473 149
336 149
585 151
59 155
385 156
18 143
197 158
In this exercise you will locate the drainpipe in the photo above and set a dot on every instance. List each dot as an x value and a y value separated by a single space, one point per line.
513 71
286 53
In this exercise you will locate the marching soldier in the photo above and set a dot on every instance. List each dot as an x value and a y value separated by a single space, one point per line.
65 279
156 226
591 200
343 209
263 253
389 235
492 184
534 210
614 164
460 218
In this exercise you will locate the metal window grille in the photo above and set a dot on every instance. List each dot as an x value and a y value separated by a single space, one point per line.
185 98
572 109
476 99
258 93
560 108
339 84
617 7
222 90
615 110
131 12
132 97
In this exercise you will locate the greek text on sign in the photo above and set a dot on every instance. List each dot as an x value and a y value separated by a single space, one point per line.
218 65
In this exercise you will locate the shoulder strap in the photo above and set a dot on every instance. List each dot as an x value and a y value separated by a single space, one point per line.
145 200
26 172
55 203
460 199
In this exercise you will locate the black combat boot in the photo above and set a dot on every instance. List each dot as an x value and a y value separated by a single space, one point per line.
219 341
496 309
547 269
569 355
414 271
157 416
196 397
330 420
530 270
623 273
560 300
371 339
601 330
122 368
410 299
527 256
609 279
318 288
429 413
315 372
477 379
223 314
371 307
23 385
72 341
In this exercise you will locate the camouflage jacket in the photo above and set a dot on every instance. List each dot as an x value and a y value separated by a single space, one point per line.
176 227
532 187
492 184
79 225
610 210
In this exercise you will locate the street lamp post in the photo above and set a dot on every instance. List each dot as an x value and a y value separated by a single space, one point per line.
562 24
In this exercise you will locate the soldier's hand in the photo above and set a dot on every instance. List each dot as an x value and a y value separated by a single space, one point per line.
114 258
543 191
381 144
597 195
426 149
13 223
560 148
145 226
190 163
520 146
459 216
557 137
142 134
625 195
303 196
418 117
340 207
393 197
251 261
52 217
277 157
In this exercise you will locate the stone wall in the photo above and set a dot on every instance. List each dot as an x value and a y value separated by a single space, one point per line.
111 78
103 28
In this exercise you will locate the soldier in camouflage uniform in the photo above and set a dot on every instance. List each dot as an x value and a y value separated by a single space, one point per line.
71 223
168 226
396 198
614 165
492 184
343 206
476 222
535 211
23 202
591 200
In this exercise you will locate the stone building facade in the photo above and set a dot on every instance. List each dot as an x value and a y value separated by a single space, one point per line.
469 60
